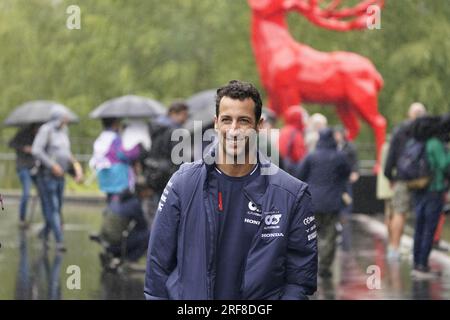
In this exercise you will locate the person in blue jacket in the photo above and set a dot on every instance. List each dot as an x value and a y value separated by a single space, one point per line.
233 229
326 170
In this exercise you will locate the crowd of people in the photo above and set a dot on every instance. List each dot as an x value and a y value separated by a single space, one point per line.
202 220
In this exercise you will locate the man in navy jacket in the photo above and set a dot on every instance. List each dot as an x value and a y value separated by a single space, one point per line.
233 229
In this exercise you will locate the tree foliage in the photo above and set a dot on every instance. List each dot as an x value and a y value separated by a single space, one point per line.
172 49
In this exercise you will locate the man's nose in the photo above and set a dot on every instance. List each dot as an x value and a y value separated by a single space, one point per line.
234 129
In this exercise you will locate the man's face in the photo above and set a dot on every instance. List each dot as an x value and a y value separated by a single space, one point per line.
235 123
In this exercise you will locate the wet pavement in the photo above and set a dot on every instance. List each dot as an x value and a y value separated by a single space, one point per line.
27 271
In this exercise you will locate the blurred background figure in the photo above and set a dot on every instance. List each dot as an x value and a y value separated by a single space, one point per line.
291 144
157 164
401 201
384 190
349 149
429 201
268 137
124 230
26 166
444 135
177 114
326 170
52 148
316 123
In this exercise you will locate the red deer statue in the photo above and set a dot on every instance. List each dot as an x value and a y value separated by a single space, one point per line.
293 73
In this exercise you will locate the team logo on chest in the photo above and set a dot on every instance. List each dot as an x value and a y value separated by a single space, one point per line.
255 212
272 221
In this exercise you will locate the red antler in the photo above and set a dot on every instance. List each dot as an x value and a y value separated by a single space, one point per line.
330 17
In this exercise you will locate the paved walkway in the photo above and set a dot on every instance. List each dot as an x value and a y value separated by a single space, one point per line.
360 272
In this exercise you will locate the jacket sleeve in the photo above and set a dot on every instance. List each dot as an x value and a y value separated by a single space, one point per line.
392 155
302 171
162 248
38 148
16 143
301 264
344 167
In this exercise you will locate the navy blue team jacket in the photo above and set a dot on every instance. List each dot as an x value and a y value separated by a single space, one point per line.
281 262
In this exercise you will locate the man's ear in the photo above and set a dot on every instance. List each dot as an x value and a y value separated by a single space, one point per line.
259 124
216 123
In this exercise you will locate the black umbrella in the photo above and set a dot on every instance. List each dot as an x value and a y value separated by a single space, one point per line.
129 106
201 108
38 111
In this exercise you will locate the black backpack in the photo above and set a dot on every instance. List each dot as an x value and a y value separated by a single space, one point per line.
156 163
412 165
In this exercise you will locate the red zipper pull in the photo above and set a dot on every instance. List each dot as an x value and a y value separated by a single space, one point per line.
220 201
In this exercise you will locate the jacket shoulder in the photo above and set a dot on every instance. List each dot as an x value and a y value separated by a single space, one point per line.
285 181
186 171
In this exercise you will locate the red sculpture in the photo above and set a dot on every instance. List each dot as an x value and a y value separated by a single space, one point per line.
292 72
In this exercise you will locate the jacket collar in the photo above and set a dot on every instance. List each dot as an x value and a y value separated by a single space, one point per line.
257 187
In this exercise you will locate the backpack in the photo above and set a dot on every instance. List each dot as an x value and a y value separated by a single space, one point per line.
412 165
157 164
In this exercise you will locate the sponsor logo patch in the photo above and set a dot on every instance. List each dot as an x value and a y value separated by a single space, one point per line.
272 235
251 221
308 220
312 236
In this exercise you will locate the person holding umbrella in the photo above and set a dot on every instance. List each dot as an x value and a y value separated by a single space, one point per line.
25 165
52 148
114 160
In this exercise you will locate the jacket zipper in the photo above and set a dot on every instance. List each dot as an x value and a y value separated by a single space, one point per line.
251 245
212 249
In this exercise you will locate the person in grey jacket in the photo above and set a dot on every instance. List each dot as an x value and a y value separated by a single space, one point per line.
51 147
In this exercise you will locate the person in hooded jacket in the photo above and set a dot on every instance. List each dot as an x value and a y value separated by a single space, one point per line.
326 170
291 143
231 230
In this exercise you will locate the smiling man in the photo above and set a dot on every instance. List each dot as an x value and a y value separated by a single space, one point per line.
237 227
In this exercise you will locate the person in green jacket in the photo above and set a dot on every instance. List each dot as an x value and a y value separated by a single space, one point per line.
429 201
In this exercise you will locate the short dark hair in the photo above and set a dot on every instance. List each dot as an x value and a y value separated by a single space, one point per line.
108 122
177 106
236 89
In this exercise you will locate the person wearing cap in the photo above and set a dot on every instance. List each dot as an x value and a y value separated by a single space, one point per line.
51 147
